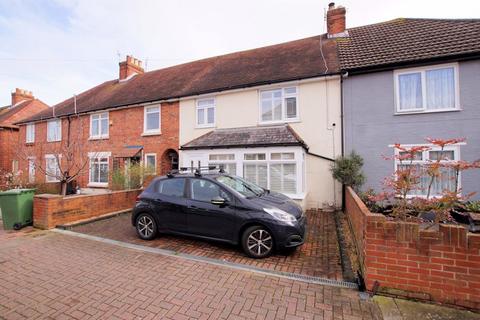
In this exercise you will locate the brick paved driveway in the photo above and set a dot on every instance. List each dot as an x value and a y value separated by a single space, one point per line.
44 274
318 257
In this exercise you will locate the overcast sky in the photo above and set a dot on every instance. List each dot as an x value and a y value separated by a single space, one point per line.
59 48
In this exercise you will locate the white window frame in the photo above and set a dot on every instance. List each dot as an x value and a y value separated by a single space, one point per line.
146 162
145 112
30 133
59 121
99 135
422 71
284 107
203 157
205 113
31 169
93 156
48 178
425 157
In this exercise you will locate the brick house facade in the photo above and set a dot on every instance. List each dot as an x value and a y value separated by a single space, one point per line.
100 140
23 105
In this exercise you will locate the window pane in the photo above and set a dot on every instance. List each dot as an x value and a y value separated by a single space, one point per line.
266 95
410 91
291 105
440 88
171 187
104 126
290 91
254 156
153 121
283 156
267 111
277 94
256 173
210 115
230 168
103 175
206 102
221 157
418 156
95 128
203 190
201 116
283 178
277 109
442 155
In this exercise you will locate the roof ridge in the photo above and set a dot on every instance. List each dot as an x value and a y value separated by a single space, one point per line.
415 19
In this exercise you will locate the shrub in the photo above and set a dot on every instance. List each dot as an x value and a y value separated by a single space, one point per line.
348 170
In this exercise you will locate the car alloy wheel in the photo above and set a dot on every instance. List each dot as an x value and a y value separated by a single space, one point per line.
258 242
146 227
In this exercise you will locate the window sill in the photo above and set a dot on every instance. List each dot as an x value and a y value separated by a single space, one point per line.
29 143
49 141
266 123
99 138
97 185
146 134
401 113
53 181
205 126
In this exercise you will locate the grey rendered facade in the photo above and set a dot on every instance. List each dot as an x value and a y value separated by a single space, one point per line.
371 125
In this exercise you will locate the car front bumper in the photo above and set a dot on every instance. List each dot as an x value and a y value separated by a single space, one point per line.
290 236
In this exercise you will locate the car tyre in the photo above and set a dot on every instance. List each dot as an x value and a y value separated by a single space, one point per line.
146 226
257 242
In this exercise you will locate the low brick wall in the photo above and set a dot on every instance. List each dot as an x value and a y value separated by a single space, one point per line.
440 265
51 210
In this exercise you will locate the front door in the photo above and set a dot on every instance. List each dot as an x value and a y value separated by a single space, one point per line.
207 219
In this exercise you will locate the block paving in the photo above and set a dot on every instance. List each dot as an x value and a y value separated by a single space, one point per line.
46 275
318 257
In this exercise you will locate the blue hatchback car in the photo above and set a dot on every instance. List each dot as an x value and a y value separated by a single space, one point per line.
222 207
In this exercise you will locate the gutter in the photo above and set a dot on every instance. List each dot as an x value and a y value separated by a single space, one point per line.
176 98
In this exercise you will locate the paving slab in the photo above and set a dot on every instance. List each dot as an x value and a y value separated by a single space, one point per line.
401 309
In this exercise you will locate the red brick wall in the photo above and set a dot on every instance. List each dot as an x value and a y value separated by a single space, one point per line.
126 128
440 265
52 210
8 139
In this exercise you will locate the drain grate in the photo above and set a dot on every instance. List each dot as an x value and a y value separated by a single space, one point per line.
237 266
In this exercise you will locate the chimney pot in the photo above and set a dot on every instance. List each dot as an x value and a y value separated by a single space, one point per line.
331 5
129 67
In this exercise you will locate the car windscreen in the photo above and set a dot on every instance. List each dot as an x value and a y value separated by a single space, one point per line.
240 185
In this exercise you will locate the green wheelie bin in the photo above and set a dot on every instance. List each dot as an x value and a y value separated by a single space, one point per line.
17 208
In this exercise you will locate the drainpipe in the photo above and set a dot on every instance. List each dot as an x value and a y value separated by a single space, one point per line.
342 131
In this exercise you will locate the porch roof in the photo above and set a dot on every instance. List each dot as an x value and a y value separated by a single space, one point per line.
264 136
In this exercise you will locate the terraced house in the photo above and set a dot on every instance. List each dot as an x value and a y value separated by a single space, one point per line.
409 79
23 105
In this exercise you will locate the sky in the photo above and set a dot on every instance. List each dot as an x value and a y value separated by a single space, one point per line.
59 48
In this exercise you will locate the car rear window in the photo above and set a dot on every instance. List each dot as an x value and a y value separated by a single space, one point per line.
171 187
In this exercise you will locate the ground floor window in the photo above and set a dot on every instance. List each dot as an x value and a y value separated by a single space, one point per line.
31 170
52 168
151 163
446 179
99 169
276 169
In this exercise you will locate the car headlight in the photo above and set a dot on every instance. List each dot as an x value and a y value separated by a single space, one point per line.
280 214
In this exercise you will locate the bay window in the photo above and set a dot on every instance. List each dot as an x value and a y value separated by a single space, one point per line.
224 161
427 89
278 105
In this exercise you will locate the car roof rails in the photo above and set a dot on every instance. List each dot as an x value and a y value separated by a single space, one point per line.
197 171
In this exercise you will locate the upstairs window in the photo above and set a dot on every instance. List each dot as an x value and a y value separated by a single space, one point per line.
54 130
30 135
206 112
151 120
279 105
99 125
427 89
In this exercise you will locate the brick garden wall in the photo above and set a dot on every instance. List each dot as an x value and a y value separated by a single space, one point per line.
440 265
51 210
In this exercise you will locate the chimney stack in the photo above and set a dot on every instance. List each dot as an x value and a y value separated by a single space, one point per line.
130 67
336 21
21 95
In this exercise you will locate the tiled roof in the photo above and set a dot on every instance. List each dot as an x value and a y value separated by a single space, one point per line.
281 135
10 115
408 41
293 60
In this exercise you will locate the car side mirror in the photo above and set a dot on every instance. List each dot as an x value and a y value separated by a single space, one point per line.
218 201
